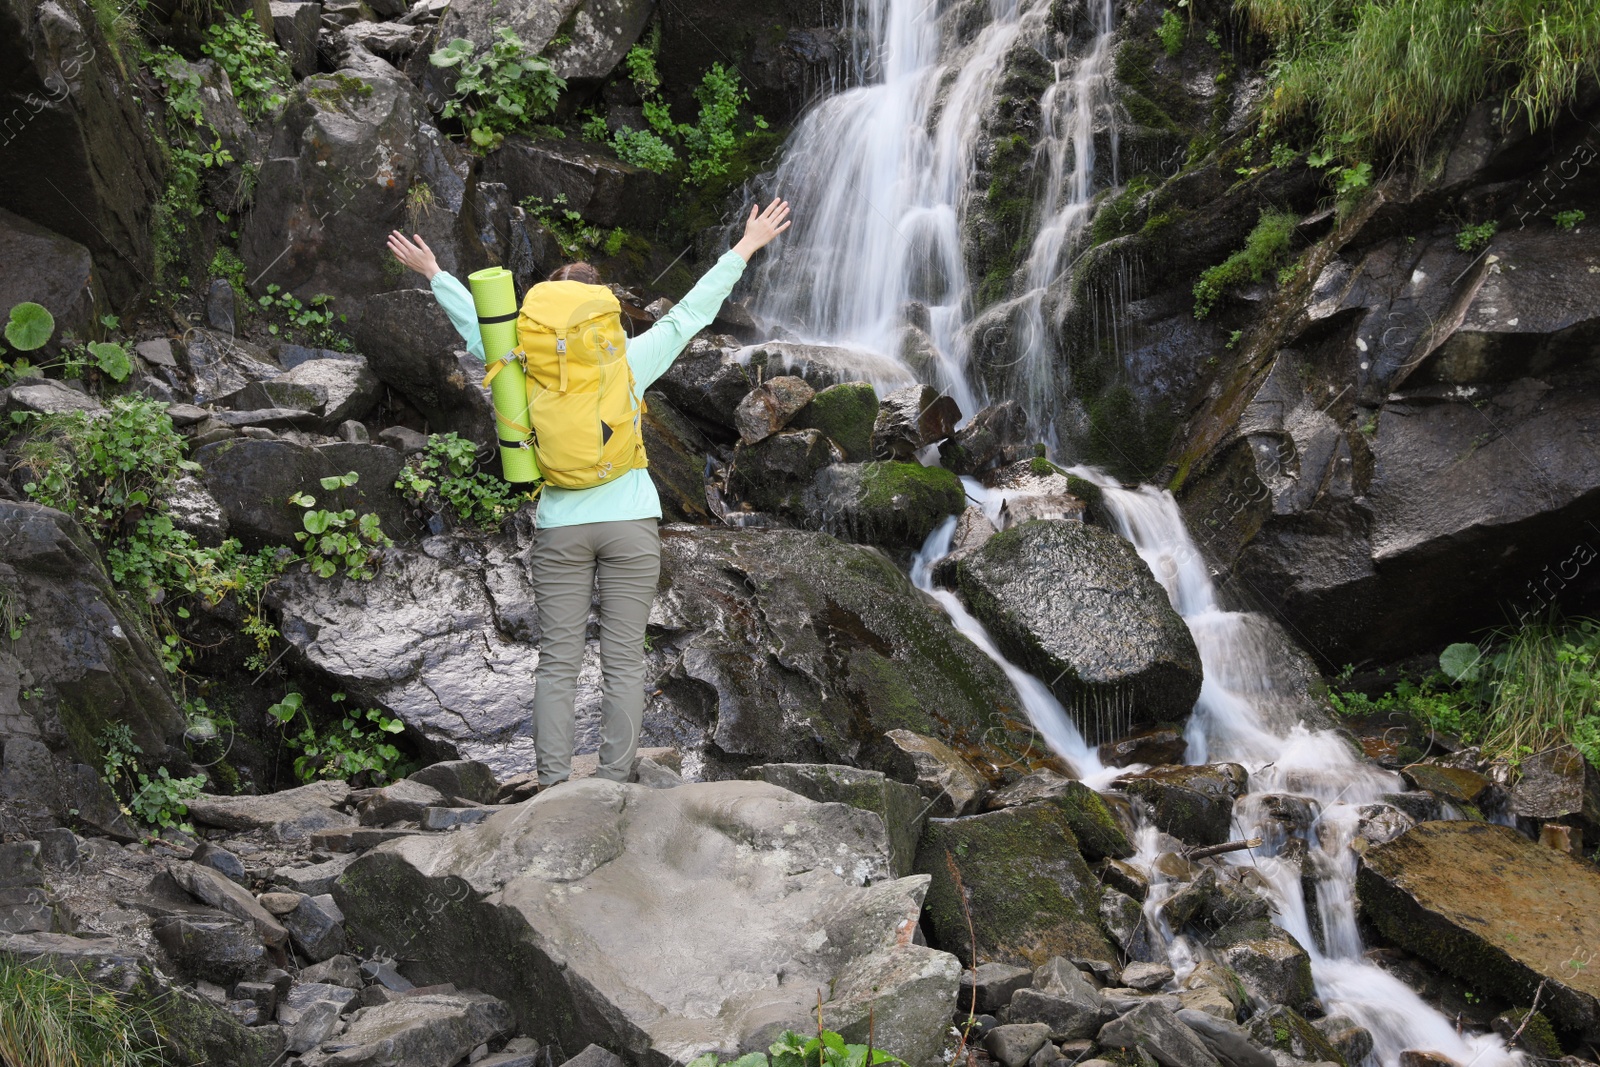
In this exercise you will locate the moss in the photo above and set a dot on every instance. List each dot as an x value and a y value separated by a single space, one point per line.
344 89
1128 439
1286 1030
1030 892
1538 1035
1119 216
1097 831
845 414
889 485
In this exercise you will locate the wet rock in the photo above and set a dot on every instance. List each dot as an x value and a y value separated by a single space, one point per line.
1076 604
289 815
1269 961
1348 1039
1492 908
606 191
1154 745
223 950
1455 784
909 419
845 414
678 453
1228 1042
770 407
972 532
412 348
1211 902
995 985
1379 824
1193 804
1124 920
295 25
1014 1044
1160 1034
74 125
842 621
317 927
1125 878
1030 893
502 912
1214 989
949 782
896 504
900 806
84 652
774 474
1036 489
216 889
1418 1057
1146 976
1286 1030
1062 999
1558 783
61 274
1098 833
993 438
347 150
429 1028
463 779
253 481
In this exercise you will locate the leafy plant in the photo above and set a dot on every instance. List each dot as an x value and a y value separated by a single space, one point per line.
257 68
226 264
709 148
1265 245
641 63
445 477
1351 180
1472 238
500 90
573 234
157 800
52 1018
338 539
29 326
357 743
311 323
1172 32
827 1049
1566 220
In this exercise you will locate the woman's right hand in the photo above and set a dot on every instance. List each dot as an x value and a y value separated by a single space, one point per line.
419 257
763 227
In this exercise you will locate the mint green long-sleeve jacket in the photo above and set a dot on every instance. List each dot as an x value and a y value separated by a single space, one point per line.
632 496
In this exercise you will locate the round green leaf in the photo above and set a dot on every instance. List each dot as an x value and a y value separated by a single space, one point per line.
1461 661
112 360
29 327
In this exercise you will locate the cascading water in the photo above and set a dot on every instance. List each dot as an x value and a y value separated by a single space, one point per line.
883 175
1244 716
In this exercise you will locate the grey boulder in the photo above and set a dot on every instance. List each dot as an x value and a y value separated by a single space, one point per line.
426 1030
653 921
1158 1032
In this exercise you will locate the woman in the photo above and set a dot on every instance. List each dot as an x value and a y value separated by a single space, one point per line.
609 532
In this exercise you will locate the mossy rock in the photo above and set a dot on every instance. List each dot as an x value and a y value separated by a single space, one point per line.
899 805
885 503
1286 1030
775 474
845 414
1030 893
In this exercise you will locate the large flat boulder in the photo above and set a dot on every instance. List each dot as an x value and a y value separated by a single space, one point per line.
1077 606
602 188
663 924
1501 913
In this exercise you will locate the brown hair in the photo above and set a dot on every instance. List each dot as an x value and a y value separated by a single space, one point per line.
576 272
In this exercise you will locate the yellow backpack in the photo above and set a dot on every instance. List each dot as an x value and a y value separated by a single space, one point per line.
583 407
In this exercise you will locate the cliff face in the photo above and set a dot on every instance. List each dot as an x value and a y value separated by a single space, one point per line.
1386 435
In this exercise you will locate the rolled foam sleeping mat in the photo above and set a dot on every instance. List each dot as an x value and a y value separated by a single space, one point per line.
494 293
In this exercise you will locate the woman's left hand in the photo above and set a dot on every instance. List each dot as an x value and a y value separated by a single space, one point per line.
419 257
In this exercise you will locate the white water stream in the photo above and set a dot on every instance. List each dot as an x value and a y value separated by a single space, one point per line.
1245 715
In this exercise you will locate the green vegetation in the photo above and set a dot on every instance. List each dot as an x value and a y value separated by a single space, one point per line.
641 63
1519 692
29 326
50 1019
1172 32
333 540
827 1049
157 800
1387 77
1472 238
192 147
357 743
312 324
1262 250
500 90
257 68
576 237
1566 220
444 477
709 148
226 264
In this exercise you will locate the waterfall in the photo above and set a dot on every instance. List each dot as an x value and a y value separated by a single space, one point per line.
882 177
1240 718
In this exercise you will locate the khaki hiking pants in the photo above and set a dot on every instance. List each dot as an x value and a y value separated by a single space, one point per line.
626 556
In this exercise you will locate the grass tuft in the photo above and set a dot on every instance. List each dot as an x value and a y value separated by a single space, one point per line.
60 1020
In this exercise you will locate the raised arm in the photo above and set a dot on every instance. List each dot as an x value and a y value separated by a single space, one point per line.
451 294
652 352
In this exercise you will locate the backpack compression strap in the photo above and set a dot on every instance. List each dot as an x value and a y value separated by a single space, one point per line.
513 356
